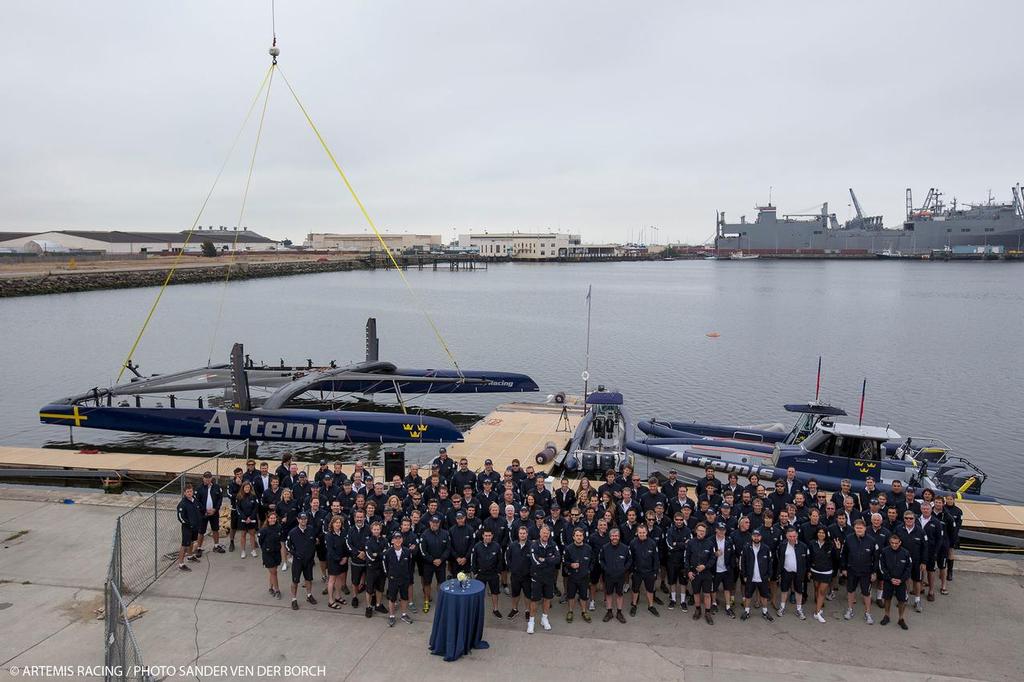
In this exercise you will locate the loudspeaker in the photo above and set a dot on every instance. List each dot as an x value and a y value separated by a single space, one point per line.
394 464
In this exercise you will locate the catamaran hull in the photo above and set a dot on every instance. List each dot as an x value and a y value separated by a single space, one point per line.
307 426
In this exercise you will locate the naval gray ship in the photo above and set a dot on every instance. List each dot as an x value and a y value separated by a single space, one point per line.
931 228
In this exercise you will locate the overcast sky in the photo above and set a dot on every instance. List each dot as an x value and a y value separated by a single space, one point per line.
586 116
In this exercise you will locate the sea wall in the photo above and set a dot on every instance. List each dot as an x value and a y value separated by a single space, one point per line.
67 282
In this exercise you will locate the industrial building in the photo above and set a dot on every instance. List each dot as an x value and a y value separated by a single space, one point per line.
120 242
521 245
364 242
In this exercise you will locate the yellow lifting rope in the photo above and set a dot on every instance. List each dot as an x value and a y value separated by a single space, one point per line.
188 237
373 226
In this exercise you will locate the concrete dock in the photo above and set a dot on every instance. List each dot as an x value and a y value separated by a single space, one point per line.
54 556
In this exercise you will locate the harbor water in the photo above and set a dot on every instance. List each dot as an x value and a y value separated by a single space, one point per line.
939 343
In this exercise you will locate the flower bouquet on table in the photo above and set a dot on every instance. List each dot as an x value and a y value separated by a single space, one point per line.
463 579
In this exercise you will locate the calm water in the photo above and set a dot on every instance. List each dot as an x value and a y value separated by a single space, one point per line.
939 343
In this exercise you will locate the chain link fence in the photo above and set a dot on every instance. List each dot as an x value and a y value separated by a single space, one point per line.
146 541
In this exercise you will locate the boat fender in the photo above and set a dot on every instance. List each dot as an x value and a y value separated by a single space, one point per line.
560 398
546 455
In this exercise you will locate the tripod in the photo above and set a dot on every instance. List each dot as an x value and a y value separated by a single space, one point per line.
564 418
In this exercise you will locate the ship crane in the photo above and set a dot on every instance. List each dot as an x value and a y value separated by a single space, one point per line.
856 204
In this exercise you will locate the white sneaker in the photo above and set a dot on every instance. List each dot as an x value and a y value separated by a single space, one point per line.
591 606
253 554
868 619
284 566
243 553
800 613
848 615
544 621
529 627
818 617
781 610
625 588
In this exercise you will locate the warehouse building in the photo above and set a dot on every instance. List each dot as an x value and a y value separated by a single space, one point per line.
364 242
120 242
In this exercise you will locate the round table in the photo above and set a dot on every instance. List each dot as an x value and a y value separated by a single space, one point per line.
458 619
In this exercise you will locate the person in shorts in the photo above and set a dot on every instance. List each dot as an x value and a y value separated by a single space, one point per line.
577 560
190 520
616 561
301 544
895 567
485 562
517 560
398 568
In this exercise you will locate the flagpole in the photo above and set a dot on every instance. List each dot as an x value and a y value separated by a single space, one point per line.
586 369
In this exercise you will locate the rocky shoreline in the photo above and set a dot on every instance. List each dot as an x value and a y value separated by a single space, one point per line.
69 282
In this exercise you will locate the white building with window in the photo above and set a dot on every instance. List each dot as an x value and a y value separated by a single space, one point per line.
120 242
521 245
366 242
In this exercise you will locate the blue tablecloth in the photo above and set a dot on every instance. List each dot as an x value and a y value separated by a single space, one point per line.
458 620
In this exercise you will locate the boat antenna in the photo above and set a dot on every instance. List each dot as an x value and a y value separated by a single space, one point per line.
586 368
863 390
817 384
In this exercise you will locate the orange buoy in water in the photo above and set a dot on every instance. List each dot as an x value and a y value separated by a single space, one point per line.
712 335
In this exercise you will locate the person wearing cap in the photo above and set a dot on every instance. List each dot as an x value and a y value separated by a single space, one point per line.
435 548
301 544
355 541
208 498
915 542
302 490
518 562
723 574
544 562
895 565
397 564
756 567
269 539
859 559
578 561
486 495
485 563
462 540
445 465
328 490
488 474
319 475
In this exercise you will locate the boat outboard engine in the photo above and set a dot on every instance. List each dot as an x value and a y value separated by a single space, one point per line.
955 476
547 454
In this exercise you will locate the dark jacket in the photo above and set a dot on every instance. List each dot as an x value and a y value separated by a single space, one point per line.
355 540
764 561
435 545
375 548
803 558
915 542
398 569
301 544
545 560
582 555
859 555
645 555
675 542
935 534
188 514
823 556
517 558
462 540
615 559
269 539
485 559
337 549
894 564
216 495
247 508
700 553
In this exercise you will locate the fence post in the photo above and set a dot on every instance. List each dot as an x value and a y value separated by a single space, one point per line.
120 565
156 543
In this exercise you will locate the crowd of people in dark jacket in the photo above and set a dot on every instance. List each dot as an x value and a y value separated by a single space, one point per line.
723 548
